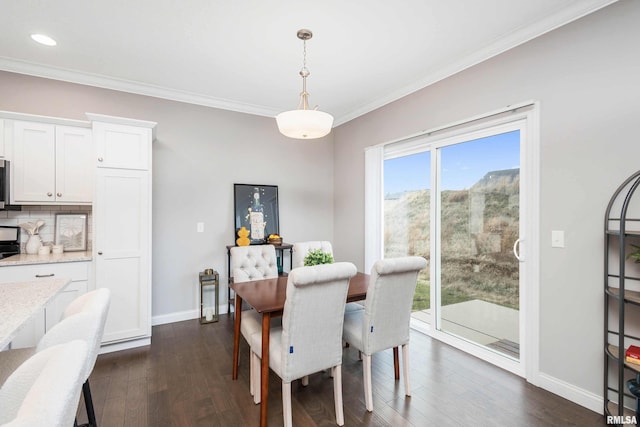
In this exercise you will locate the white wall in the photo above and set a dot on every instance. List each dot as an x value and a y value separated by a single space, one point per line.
198 155
585 76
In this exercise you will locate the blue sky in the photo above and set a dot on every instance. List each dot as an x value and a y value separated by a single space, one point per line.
462 164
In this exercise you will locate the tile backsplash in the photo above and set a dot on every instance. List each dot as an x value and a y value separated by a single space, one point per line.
48 215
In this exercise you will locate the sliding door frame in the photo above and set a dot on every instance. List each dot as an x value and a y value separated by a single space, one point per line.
527 114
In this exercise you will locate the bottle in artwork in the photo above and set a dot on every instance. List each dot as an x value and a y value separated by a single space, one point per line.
256 216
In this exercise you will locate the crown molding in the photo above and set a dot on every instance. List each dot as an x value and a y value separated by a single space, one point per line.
129 86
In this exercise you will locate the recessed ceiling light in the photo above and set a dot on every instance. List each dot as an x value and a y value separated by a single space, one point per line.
42 39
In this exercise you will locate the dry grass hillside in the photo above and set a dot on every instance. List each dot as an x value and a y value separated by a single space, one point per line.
479 227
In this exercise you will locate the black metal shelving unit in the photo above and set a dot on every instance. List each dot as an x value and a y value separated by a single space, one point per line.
622 293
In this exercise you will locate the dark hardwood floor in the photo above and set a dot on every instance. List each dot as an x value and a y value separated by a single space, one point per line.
184 379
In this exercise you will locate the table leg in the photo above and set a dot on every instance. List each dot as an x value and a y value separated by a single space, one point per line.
236 336
264 369
396 364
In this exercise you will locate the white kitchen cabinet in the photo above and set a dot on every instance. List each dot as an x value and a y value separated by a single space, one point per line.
122 146
52 164
122 231
79 273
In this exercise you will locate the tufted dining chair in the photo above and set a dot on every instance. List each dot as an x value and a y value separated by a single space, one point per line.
83 319
301 249
384 322
253 263
310 339
45 389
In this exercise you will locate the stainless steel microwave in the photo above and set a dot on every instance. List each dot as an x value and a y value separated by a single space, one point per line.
5 202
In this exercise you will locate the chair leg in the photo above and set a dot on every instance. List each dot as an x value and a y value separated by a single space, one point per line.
405 369
337 393
286 404
88 402
251 374
255 377
368 389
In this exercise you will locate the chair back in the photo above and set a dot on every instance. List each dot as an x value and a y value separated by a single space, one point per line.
301 249
254 262
45 389
313 317
84 319
388 303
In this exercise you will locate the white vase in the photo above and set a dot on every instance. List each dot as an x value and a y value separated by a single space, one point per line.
33 244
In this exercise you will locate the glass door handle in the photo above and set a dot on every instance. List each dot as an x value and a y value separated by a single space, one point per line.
516 250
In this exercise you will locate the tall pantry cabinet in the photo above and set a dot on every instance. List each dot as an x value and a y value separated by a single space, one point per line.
122 226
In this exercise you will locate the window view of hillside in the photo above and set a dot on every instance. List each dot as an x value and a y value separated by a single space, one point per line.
480 227
479 210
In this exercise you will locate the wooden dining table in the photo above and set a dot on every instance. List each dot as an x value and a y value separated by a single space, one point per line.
267 297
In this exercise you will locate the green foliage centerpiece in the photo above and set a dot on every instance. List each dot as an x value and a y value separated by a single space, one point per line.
317 257
635 255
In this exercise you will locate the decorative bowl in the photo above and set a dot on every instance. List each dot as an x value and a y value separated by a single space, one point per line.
276 241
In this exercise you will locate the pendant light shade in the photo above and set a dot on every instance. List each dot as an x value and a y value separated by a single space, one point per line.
304 123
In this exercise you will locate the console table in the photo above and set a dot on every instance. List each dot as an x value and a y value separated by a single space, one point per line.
280 250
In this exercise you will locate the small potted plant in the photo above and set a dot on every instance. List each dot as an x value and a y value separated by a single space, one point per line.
317 257
635 255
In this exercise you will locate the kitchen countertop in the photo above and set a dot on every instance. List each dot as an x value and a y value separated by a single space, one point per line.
24 259
20 300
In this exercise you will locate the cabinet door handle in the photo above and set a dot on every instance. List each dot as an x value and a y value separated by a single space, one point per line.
516 250
59 194
45 275
49 194
99 252
100 159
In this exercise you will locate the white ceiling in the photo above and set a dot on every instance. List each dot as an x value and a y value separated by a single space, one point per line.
245 56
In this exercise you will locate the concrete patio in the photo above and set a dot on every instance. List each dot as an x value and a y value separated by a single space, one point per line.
485 323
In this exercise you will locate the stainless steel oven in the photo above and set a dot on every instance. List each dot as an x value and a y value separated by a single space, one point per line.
5 202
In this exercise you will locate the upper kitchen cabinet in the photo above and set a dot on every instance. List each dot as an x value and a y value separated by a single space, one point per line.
52 164
121 145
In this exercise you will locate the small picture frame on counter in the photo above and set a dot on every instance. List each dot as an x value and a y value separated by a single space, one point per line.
71 232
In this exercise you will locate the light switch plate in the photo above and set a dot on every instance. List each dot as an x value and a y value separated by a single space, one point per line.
200 227
557 239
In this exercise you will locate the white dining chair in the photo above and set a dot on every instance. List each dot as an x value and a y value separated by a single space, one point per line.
83 319
310 339
301 249
384 322
45 389
252 263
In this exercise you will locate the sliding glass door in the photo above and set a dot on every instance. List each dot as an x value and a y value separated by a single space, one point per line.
457 202
478 224
407 217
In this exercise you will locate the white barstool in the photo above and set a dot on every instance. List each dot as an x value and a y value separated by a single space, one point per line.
45 389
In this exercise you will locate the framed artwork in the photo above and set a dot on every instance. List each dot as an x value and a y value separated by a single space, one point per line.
71 232
256 209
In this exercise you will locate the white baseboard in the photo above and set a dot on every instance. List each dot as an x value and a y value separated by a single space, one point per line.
110 348
181 316
571 392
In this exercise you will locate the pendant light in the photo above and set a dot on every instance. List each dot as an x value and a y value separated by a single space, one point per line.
304 123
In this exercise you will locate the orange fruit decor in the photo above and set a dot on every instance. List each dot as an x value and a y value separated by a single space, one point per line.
243 237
